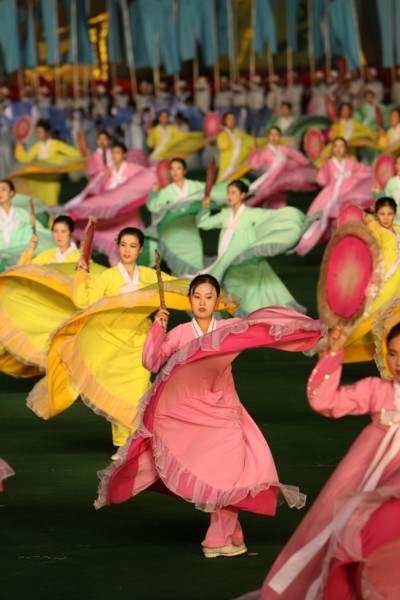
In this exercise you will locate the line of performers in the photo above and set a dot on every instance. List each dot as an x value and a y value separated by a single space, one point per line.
187 433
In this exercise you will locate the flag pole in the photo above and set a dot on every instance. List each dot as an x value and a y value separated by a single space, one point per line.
252 58
129 46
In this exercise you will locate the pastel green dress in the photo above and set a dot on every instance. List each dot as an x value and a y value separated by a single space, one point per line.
16 232
174 226
245 240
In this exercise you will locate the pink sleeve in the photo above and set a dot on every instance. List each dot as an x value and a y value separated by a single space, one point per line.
256 159
323 175
359 168
296 155
93 166
328 398
132 169
159 346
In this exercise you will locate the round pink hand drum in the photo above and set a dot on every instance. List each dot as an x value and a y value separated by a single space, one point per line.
383 168
163 174
211 124
350 276
313 143
22 128
351 213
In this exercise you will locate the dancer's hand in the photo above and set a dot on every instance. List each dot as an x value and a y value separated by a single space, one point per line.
206 202
81 265
336 339
162 317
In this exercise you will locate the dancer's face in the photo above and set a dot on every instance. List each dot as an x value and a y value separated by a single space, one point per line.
129 249
230 121
393 357
177 171
41 134
339 149
235 197
204 300
345 112
118 155
163 118
6 193
385 216
394 118
61 235
274 137
103 141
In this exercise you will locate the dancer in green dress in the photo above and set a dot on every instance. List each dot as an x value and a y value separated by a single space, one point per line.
248 235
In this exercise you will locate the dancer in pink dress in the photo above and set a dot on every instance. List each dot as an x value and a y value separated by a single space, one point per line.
194 437
345 182
286 169
358 510
122 191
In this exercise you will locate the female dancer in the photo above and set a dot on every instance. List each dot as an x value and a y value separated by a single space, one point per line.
195 438
174 209
360 345
167 140
53 153
286 168
234 147
64 251
35 297
248 235
344 180
358 510
16 227
102 336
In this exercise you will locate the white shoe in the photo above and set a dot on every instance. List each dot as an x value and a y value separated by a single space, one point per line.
229 550
115 456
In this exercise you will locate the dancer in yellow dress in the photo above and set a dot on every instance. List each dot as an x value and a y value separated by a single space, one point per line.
167 140
35 297
360 343
65 250
43 178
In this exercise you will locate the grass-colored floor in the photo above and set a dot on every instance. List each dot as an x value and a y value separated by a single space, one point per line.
53 544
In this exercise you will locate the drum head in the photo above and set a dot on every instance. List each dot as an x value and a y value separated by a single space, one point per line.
212 124
351 273
22 128
384 169
351 213
163 174
313 143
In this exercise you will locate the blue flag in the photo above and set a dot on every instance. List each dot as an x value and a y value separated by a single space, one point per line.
159 33
9 35
29 58
314 34
385 25
113 36
344 31
80 49
265 27
139 45
50 25
291 24
222 27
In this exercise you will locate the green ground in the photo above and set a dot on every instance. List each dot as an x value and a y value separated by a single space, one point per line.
54 544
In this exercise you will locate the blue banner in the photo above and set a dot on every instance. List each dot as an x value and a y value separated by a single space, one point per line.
344 31
9 35
186 29
222 27
80 49
159 32
29 59
50 25
139 45
291 24
314 34
385 27
265 27
396 26
113 36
